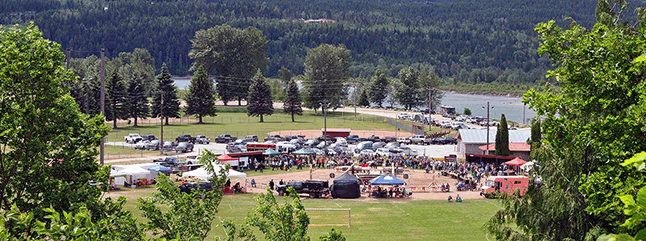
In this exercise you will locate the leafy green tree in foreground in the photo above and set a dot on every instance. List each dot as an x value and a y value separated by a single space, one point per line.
259 102
184 216
590 126
467 111
293 102
43 131
502 138
200 100
165 84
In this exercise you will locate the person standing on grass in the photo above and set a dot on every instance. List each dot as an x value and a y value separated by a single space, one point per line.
271 184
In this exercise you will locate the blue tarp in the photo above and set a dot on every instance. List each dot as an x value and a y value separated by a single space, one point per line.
386 180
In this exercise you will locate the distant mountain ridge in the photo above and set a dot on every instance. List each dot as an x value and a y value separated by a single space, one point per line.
465 40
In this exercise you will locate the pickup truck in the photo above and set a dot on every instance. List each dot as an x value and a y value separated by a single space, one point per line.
225 138
351 139
185 138
314 188
170 161
418 139
132 138
202 139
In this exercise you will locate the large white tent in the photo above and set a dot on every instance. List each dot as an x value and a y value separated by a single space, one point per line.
203 174
133 172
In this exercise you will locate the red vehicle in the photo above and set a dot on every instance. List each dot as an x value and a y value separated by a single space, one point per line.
259 146
506 184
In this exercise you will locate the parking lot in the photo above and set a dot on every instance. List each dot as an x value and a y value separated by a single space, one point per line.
425 150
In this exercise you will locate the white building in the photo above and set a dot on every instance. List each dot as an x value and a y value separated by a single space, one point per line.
469 140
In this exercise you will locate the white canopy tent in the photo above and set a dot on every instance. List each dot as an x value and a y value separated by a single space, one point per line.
203 174
134 172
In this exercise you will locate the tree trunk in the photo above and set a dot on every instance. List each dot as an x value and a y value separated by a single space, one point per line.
225 103
200 116
240 103
135 122
292 116
166 120
114 123
261 118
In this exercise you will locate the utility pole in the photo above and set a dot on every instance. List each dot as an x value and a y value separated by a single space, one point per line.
102 149
161 120
430 105
487 128
524 105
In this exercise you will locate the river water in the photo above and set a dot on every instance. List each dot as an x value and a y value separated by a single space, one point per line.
512 107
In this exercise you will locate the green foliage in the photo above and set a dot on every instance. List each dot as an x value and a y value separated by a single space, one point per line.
137 99
136 64
116 99
467 111
259 102
363 99
278 223
502 138
378 89
166 85
408 92
200 100
184 216
293 102
326 71
593 122
231 53
332 236
536 136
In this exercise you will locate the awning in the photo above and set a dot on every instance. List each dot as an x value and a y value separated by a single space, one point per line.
225 157
304 151
386 180
202 173
515 162
271 152
159 168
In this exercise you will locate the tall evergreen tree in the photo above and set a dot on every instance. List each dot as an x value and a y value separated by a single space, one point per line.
502 138
293 102
363 99
536 136
326 70
378 87
407 92
200 100
137 99
117 99
166 84
259 101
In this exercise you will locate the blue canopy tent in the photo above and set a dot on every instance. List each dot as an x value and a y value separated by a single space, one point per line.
386 180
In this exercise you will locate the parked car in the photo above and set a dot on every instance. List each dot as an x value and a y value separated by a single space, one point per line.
169 146
289 137
383 152
251 138
185 138
450 140
191 161
142 145
404 140
225 138
374 138
169 161
407 151
273 138
312 143
388 139
324 137
324 144
437 141
364 145
184 147
392 145
189 187
154 145
351 139
132 138
378 145
403 116
368 152
314 188
148 137
202 139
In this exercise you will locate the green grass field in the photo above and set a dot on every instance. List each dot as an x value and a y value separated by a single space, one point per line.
388 219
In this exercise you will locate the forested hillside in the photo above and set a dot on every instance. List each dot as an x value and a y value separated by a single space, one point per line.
470 40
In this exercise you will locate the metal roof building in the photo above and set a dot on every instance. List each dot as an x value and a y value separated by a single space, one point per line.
469 140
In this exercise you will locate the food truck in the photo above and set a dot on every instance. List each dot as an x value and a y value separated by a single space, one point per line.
504 184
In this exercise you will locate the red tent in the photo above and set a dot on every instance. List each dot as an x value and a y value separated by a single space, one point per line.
515 162
225 157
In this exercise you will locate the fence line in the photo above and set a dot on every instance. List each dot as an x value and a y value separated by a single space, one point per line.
405 127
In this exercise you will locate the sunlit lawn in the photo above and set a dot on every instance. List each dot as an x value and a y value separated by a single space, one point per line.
388 219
